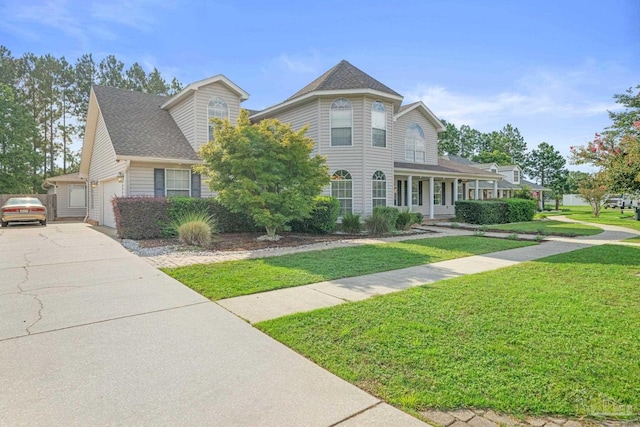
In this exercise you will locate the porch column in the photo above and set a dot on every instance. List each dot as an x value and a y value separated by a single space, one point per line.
455 190
477 189
409 193
431 210
495 190
541 200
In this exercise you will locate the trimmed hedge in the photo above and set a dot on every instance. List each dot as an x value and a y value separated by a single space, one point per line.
140 217
495 211
151 217
324 216
520 210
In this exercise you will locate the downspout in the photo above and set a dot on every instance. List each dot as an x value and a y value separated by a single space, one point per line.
87 189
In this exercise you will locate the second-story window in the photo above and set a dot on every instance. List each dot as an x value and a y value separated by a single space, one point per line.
341 122
516 176
217 109
378 125
415 144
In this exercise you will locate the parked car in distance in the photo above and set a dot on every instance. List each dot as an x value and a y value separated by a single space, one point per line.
617 202
23 209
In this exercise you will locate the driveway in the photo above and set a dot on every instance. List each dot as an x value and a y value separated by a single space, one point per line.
92 335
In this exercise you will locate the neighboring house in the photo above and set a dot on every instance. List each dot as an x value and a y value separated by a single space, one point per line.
71 195
511 180
379 152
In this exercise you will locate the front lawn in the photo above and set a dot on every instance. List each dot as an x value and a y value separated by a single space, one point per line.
559 335
547 227
607 216
234 278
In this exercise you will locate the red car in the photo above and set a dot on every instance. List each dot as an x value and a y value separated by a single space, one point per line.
23 209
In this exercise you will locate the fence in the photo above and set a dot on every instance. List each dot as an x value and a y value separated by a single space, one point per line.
49 200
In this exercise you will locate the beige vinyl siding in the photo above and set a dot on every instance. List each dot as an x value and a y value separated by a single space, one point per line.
63 209
183 115
298 117
430 134
376 158
103 166
141 178
201 104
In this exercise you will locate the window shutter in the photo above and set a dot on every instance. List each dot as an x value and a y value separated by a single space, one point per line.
158 182
444 193
399 193
195 185
453 190
406 194
419 193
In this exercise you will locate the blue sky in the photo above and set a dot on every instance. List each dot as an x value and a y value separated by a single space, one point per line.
549 68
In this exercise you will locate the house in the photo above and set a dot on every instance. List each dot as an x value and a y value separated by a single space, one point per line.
380 152
511 180
71 194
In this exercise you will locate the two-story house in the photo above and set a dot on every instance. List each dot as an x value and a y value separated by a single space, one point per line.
379 151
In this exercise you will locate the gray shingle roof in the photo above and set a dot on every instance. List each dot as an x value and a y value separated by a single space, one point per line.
448 166
139 127
344 76
407 106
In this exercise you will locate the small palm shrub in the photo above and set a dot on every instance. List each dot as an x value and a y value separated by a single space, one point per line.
417 217
404 221
195 228
377 224
351 224
389 213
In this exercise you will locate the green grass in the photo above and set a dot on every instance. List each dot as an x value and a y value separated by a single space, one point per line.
556 336
607 216
235 278
633 240
549 227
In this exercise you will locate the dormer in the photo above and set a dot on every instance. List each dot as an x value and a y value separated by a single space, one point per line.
415 130
511 173
194 105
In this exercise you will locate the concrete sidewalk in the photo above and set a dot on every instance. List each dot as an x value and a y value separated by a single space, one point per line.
90 334
270 305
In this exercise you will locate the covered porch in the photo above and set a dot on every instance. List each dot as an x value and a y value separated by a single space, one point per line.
433 190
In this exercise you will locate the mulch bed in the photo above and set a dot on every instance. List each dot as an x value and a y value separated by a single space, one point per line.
248 241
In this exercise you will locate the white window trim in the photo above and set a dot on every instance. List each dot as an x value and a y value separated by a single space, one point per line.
437 190
331 123
84 191
516 181
209 117
385 125
342 180
373 181
413 160
166 179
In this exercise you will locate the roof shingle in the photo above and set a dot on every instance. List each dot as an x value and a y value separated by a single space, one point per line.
139 127
343 76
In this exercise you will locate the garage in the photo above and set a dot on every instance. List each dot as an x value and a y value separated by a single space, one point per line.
110 189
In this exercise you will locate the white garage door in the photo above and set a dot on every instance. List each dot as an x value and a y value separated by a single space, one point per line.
109 190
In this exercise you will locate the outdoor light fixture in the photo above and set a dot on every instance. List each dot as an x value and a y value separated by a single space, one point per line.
94 184
120 176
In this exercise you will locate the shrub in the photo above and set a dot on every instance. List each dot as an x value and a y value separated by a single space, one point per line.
140 217
324 216
417 217
389 213
377 224
195 228
226 221
404 221
520 210
481 211
513 236
524 192
351 224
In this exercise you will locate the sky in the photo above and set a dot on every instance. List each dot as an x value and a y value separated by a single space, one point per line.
549 68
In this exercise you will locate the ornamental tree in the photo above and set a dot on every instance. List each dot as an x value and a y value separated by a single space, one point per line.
545 165
616 150
265 170
593 189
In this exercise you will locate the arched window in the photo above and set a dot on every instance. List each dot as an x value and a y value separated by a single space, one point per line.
341 189
341 122
415 144
379 189
217 109
378 125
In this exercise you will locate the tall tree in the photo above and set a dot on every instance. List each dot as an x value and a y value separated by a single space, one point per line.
136 78
265 170
175 86
84 75
545 165
156 84
17 158
498 157
110 72
616 151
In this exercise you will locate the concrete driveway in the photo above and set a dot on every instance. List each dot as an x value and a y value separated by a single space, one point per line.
92 335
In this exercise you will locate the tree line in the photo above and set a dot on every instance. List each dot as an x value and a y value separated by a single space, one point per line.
43 108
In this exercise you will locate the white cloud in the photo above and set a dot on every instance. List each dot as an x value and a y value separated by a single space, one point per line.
542 93
299 64
134 14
